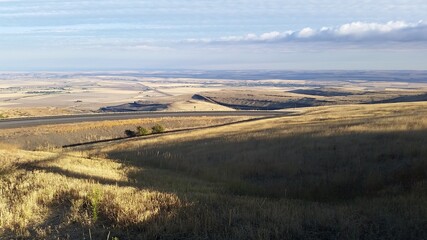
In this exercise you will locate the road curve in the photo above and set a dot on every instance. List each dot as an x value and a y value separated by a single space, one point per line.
54 120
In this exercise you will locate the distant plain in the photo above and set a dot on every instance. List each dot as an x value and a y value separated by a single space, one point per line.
348 161
53 94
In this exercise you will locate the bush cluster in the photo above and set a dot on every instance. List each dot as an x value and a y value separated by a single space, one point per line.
141 131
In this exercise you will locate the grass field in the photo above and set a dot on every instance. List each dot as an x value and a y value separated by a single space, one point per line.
343 172
12 112
48 137
245 99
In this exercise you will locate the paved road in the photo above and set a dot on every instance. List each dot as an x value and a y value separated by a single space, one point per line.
52 120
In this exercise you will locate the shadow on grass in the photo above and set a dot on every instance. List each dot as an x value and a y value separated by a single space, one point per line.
359 185
342 186
308 167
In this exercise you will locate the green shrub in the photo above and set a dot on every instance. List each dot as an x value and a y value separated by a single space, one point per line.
141 131
95 198
157 129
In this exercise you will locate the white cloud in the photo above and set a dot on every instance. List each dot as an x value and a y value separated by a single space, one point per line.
270 36
357 28
356 32
306 33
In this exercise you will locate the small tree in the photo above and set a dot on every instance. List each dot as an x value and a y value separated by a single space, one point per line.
141 131
157 129
130 133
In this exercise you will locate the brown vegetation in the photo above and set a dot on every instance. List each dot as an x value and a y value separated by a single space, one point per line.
307 97
12 112
350 172
46 137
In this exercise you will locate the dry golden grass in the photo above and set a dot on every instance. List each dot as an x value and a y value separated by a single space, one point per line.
347 119
329 154
46 194
322 138
11 112
280 99
348 172
49 137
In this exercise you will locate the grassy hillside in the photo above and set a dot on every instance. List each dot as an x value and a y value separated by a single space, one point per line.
328 153
349 172
308 97
70 196
48 137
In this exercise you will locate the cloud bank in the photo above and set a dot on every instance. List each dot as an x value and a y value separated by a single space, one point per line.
355 32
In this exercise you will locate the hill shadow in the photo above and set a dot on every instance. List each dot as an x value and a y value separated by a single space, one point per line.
268 187
309 167
316 175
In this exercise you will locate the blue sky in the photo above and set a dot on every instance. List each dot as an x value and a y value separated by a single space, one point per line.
212 34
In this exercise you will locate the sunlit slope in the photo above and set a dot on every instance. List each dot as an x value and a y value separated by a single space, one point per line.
54 136
328 152
51 195
350 172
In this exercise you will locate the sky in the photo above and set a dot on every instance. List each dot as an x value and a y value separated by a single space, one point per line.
48 35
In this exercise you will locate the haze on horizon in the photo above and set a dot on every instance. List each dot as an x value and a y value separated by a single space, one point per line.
222 34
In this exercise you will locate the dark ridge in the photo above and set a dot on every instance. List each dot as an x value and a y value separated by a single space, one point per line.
414 98
323 93
265 104
135 106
